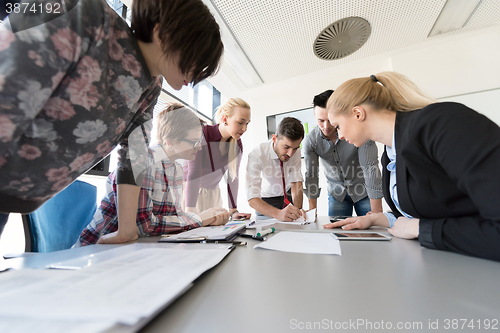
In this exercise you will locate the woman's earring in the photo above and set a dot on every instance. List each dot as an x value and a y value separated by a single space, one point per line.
165 144
225 124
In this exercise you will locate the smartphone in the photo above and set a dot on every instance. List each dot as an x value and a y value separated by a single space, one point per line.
338 218
359 236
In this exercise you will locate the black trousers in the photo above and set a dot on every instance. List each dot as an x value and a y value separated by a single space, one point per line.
277 202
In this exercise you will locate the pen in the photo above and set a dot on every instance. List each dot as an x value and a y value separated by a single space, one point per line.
251 223
259 238
266 232
224 242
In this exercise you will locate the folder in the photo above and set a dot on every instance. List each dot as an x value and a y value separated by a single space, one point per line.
203 234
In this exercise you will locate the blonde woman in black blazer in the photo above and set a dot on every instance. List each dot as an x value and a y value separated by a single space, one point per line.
440 166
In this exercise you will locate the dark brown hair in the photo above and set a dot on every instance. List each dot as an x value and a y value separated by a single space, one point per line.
291 128
321 99
186 28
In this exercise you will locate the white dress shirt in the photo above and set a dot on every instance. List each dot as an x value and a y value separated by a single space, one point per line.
264 178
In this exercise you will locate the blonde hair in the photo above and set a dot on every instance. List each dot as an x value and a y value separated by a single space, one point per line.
228 110
174 122
389 90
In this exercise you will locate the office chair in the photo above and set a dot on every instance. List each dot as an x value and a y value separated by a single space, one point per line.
57 224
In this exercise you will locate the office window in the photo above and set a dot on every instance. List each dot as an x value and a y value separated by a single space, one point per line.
121 9
203 97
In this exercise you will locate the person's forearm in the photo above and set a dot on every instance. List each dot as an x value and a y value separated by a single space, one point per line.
376 205
313 203
297 194
128 202
263 207
192 210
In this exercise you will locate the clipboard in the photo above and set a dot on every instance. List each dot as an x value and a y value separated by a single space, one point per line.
206 234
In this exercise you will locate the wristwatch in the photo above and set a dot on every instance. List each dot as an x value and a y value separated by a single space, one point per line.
231 215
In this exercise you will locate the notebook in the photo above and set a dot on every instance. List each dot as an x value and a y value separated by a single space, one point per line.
210 233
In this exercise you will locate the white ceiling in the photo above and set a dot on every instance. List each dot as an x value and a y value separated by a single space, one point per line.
278 35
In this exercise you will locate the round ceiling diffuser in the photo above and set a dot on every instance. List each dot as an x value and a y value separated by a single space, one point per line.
342 38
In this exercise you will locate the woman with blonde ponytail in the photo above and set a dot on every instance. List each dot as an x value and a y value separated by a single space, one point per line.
444 186
220 156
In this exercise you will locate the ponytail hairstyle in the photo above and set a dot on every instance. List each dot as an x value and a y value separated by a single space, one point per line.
228 110
386 90
174 123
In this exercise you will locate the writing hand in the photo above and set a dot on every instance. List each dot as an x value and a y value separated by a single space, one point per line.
288 214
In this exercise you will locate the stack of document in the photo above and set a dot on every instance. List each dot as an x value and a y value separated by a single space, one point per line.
213 233
128 289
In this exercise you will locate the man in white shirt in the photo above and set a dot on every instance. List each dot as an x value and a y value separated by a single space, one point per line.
273 170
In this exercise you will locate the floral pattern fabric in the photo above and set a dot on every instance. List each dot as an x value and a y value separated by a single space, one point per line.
70 91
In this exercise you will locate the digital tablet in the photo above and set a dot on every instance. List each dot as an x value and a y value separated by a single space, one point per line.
359 236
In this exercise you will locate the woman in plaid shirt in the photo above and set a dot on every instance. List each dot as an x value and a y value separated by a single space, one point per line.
179 134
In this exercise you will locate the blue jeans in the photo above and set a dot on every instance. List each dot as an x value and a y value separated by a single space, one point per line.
344 208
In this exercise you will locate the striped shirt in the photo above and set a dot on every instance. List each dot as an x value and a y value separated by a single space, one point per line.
393 189
348 169
159 209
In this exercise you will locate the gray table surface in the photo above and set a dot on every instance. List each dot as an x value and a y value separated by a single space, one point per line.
374 286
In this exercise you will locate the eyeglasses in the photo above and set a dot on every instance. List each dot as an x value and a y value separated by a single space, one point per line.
194 143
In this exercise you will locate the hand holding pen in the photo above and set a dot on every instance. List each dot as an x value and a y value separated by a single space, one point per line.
288 214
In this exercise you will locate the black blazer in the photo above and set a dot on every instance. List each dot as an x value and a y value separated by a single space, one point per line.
447 174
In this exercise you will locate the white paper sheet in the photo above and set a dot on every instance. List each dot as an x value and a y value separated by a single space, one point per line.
261 223
22 325
123 289
302 242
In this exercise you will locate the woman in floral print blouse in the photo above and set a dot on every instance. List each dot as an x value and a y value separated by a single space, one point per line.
73 88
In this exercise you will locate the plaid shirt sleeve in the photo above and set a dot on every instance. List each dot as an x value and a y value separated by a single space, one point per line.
160 198
105 219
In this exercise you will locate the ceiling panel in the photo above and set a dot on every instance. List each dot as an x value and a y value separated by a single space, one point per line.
278 35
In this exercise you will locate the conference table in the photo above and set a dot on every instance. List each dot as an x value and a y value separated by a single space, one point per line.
373 286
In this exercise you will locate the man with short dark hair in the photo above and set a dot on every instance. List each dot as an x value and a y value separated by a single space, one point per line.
353 174
274 177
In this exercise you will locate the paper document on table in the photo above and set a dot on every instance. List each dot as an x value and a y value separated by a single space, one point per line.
310 218
302 242
261 223
123 289
22 324
220 232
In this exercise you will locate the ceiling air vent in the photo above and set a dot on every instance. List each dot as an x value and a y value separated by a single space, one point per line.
342 38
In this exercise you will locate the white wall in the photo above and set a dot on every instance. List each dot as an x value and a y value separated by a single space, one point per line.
459 64
466 65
